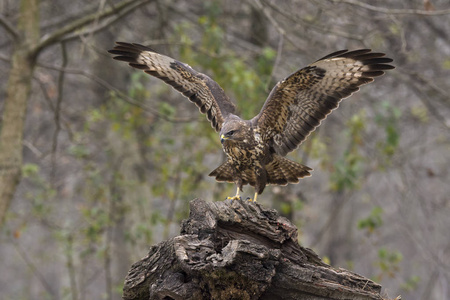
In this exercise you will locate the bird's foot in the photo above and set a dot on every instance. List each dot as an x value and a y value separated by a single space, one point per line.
250 199
237 197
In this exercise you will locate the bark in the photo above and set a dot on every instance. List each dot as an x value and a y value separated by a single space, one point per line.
239 250
18 90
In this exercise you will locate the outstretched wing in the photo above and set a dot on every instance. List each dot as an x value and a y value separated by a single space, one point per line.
199 88
298 104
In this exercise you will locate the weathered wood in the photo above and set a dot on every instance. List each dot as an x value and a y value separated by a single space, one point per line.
239 250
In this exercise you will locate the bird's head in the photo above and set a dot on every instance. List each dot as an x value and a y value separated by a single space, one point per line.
233 129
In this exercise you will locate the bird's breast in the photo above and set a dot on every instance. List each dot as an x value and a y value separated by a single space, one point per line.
243 154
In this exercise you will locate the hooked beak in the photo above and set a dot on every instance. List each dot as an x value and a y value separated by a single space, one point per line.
223 138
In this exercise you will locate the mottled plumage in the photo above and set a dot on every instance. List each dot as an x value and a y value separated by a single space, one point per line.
295 107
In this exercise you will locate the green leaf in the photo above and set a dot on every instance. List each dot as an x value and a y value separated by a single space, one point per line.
29 170
446 64
167 109
79 151
373 221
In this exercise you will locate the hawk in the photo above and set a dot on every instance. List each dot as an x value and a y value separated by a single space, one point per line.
255 148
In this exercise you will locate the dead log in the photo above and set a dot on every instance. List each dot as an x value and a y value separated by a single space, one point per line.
239 250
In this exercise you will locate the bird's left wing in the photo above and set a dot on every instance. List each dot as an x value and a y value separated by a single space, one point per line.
298 104
199 88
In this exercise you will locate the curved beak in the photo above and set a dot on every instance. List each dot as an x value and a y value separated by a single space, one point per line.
223 138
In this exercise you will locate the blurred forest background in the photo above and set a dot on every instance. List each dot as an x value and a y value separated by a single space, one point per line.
99 161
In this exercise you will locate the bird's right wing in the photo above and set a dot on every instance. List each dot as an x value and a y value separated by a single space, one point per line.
199 88
299 103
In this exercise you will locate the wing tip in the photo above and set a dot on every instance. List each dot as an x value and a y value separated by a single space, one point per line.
129 49
129 52
376 60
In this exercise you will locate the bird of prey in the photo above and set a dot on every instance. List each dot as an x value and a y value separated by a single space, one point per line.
255 148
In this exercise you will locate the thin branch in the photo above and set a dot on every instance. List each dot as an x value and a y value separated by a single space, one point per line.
71 267
100 25
424 96
32 148
339 201
61 20
34 270
119 93
445 96
311 24
258 5
5 59
392 11
48 100
276 63
9 27
57 35
58 111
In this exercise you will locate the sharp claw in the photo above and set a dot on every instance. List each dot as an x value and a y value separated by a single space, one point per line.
235 197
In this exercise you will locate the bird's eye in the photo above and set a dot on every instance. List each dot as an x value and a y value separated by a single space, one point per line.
231 132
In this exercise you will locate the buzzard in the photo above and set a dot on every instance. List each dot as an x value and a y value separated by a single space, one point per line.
256 148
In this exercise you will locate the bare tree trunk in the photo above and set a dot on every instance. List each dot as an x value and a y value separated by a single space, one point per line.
240 250
19 84
27 45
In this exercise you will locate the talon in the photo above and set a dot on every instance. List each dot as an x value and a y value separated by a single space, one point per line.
235 197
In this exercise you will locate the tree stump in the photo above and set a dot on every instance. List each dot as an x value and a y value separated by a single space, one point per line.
239 250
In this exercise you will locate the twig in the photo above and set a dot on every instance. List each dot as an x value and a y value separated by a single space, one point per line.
61 20
393 11
122 95
339 202
102 25
296 19
79 23
34 269
276 63
9 27
5 59
48 100
71 267
113 214
258 5
445 96
424 96
57 112
32 148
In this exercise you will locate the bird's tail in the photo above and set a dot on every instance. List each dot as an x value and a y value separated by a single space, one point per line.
282 171
224 172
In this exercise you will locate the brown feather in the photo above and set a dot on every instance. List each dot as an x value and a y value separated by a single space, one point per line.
282 171
199 88
299 103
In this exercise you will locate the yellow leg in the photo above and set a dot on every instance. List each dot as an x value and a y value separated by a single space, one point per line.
254 199
256 196
236 197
